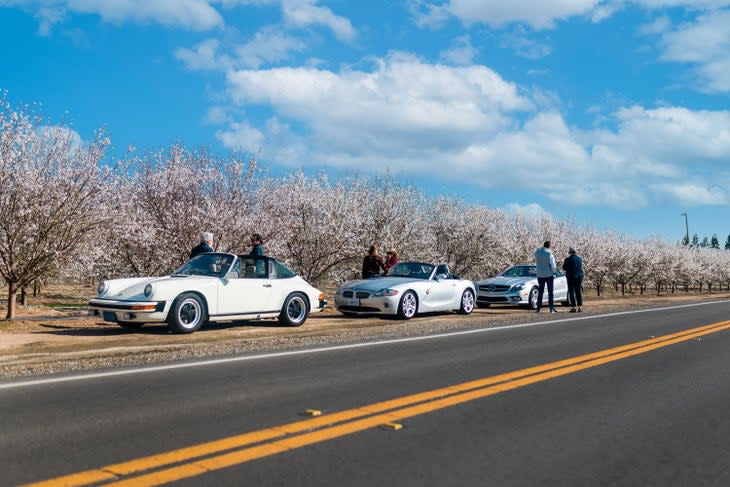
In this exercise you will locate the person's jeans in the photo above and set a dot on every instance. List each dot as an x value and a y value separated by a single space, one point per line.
575 292
541 283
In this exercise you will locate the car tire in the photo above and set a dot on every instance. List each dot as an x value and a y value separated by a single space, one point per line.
187 314
467 302
532 299
295 310
130 325
408 306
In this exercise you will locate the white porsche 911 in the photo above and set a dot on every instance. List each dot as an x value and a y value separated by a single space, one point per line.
408 289
209 287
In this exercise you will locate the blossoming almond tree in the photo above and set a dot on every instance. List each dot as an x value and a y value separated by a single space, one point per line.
50 186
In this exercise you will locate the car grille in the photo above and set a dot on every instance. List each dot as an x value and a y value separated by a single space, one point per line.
494 288
358 294
492 299
359 309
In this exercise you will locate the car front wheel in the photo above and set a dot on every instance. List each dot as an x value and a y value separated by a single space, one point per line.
467 302
533 298
408 306
294 311
187 314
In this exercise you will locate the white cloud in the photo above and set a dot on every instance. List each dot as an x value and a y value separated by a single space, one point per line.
241 136
203 56
690 194
190 14
462 53
705 42
520 42
303 13
465 124
530 209
268 45
498 13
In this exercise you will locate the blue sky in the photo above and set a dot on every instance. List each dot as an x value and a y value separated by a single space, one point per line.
611 112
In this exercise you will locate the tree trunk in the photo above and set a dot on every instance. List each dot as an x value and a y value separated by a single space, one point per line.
12 293
23 297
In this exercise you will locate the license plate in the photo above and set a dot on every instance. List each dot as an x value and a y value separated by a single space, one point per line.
110 316
353 302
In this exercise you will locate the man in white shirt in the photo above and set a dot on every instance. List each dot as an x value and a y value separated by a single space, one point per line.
546 269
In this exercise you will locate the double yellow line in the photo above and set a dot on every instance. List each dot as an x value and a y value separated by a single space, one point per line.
226 452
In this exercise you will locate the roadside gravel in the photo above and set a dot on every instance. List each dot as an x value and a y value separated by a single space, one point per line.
57 341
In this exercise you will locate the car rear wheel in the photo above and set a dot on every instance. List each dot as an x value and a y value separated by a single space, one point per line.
294 311
130 325
408 306
467 302
187 314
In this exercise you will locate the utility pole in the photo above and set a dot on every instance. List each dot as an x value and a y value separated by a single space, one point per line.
686 226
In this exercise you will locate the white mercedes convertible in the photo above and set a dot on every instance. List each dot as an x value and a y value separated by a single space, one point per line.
408 289
209 287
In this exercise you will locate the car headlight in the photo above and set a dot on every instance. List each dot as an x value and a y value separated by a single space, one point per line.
385 292
517 287
148 290
103 286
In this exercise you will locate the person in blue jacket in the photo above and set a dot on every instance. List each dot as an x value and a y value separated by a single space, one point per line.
546 269
573 267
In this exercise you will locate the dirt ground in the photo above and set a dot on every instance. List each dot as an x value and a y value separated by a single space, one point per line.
54 334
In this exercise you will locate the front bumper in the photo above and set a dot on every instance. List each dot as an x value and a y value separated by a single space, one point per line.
132 311
385 305
510 297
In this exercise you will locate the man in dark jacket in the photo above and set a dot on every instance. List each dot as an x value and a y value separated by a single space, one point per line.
257 244
206 240
573 267
372 264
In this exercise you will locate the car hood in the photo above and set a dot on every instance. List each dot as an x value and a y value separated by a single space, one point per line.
377 283
133 289
506 281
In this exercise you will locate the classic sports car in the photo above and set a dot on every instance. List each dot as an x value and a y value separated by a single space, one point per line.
409 288
518 285
209 287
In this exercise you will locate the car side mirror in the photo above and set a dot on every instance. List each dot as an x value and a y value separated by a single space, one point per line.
232 275
440 277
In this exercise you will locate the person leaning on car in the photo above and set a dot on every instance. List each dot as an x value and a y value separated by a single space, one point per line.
546 269
206 240
372 264
573 267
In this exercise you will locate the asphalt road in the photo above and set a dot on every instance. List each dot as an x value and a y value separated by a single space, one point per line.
653 415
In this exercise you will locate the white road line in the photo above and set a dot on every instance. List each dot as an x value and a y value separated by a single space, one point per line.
202 363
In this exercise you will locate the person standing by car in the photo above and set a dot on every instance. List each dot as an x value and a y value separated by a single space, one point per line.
573 267
205 245
257 244
391 259
372 264
546 269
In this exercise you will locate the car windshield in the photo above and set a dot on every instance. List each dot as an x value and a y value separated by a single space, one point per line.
520 271
214 265
416 270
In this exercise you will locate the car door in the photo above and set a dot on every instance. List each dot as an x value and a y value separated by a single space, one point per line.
560 287
441 292
250 292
